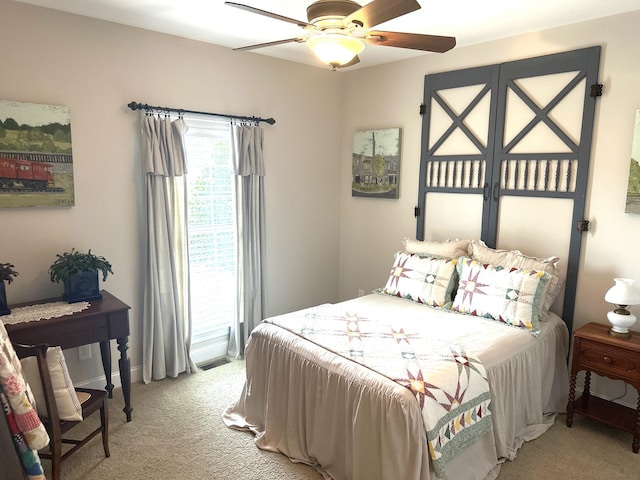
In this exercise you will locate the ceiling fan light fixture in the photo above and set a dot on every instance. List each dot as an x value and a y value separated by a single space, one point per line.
334 48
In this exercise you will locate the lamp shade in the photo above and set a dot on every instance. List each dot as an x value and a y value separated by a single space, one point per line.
624 292
335 48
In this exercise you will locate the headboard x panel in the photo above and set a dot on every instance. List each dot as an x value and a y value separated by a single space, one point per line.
513 136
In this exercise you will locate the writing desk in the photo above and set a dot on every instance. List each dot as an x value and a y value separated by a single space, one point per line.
103 321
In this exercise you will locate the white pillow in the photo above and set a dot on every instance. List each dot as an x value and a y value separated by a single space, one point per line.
516 259
69 407
448 249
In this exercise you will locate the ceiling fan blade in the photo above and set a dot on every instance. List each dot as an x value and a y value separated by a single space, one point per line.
415 41
353 62
379 11
300 23
271 44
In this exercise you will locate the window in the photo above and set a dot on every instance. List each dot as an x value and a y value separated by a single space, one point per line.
212 236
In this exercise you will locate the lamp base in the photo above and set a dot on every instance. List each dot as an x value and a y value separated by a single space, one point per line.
621 322
613 333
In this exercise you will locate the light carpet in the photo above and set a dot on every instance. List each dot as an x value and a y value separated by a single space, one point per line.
177 433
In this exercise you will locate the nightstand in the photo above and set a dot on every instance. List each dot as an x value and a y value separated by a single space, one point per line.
594 350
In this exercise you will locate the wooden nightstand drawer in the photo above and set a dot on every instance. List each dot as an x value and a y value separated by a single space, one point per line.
610 361
594 350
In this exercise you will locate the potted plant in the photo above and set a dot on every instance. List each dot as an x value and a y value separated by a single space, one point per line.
79 273
7 273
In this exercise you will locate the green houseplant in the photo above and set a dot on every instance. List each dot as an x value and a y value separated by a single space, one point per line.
79 273
7 274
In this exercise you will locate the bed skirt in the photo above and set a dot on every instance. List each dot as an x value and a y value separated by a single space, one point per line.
351 423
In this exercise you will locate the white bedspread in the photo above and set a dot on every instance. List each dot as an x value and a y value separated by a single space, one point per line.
352 423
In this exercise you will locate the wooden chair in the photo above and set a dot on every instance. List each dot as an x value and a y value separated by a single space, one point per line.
57 428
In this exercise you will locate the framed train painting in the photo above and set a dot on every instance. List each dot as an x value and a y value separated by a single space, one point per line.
36 160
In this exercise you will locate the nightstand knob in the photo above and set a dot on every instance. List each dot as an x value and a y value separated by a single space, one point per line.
607 360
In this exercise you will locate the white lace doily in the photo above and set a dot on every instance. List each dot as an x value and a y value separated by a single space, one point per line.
42 311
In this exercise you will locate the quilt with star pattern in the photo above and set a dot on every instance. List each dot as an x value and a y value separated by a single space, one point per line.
448 382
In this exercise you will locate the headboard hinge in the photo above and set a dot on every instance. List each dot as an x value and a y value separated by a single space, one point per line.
583 225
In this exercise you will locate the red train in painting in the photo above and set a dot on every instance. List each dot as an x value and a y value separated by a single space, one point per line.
24 174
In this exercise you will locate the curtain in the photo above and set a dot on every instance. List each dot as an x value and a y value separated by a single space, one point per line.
248 164
166 318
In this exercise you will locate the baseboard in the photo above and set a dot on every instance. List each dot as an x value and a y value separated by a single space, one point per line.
136 376
210 357
100 382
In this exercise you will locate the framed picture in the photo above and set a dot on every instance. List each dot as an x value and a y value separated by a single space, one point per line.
36 162
376 163
633 190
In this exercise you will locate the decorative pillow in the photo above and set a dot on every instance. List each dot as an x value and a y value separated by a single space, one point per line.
428 280
509 295
65 395
516 259
448 249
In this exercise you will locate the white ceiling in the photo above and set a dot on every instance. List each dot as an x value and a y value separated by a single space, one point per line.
470 21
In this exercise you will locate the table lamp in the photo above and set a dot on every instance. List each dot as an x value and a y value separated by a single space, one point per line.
622 294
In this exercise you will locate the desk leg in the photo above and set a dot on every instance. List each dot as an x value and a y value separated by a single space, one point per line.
125 375
105 353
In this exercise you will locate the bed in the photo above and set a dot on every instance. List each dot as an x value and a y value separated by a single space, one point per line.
390 385
486 171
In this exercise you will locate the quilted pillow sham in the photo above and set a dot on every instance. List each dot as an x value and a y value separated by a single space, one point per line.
516 259
509 295
428 280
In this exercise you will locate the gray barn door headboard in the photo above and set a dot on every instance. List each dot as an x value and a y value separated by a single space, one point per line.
517 129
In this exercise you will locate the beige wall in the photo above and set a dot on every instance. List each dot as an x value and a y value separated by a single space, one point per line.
313 223
96 68
371 230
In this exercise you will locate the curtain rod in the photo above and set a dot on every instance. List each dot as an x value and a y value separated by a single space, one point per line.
144 106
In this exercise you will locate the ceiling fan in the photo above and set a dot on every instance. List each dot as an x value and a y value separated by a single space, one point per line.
337 30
